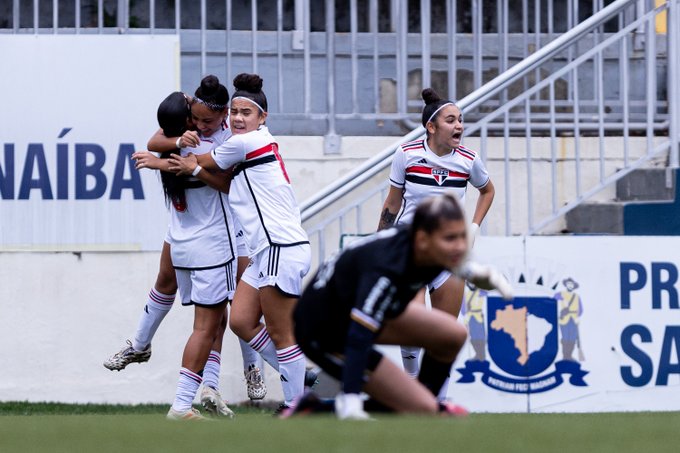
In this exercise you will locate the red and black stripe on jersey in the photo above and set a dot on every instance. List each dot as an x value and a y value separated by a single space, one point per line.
468 154
411 146
264 155
438 177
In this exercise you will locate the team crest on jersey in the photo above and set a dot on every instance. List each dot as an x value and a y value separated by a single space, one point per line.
440 175
523 336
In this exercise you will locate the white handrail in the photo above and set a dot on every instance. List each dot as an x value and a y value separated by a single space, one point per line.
380 161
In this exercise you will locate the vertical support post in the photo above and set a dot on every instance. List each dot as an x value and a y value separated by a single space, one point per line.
298 34
15 15
331 143
451 20
279 53
122 16
425 43
673 72
55 16
203 43
253 33
77 17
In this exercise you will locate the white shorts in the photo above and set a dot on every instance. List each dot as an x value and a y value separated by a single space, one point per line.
438 281
206 287
283 267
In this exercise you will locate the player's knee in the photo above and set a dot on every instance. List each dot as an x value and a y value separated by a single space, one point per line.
452 342
166 282
238 325
282 336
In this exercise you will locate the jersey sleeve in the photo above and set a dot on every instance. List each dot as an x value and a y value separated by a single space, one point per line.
479 177
398 170
374 297
229 153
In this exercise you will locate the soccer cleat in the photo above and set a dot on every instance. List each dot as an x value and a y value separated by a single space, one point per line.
312 377
309 403
281 410
214 404
126 356
447 408
190 415
255 383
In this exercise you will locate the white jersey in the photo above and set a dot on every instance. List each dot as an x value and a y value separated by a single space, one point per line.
261 195
422 173
201 227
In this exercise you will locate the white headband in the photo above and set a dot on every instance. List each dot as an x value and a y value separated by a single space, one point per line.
210 104
437 111
248 99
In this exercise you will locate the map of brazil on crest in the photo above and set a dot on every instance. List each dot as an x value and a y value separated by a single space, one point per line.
522 334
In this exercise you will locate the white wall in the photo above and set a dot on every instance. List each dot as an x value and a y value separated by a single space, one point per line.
62 315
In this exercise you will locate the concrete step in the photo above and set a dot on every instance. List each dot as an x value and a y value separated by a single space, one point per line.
596 218
650 208
648 184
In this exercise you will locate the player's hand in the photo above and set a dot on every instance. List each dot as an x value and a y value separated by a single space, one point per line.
350 406
183 165
145 159
487 278
473 231
188 140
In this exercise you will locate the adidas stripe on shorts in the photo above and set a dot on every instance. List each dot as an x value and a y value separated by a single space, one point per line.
283 267
207 287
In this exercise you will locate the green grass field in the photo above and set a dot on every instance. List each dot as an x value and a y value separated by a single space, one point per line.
94 428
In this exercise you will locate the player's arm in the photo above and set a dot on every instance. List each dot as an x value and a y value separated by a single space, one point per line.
390 208
223 157
159 143
484 201
366 317
145 159
217 179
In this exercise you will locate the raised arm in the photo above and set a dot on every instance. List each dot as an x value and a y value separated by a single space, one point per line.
159 143
190 165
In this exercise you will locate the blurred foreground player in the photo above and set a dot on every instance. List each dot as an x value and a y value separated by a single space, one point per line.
361 297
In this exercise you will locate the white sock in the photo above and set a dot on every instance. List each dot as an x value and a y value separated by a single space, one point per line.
186 390
410 356
157 306
263 344
211 372
292 369
250 356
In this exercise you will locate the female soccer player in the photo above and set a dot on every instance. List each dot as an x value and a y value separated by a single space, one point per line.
264 203
203 251
361 297
178 132
438 164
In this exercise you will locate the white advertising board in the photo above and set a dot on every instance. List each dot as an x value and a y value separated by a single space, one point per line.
595 326
74 109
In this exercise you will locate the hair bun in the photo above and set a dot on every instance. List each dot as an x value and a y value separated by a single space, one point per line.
210 84
251 83
430 96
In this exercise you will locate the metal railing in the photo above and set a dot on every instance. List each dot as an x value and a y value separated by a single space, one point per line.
334 66
581 50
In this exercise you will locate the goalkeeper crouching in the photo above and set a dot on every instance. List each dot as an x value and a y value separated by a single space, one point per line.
361 297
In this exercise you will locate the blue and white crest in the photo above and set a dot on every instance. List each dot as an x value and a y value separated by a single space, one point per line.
522 334
523 338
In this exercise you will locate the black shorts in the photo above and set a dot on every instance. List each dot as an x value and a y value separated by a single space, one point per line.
322 335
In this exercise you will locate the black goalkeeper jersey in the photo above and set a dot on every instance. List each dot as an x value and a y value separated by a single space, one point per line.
354 293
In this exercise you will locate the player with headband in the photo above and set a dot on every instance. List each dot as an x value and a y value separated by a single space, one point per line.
435 165
264 203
